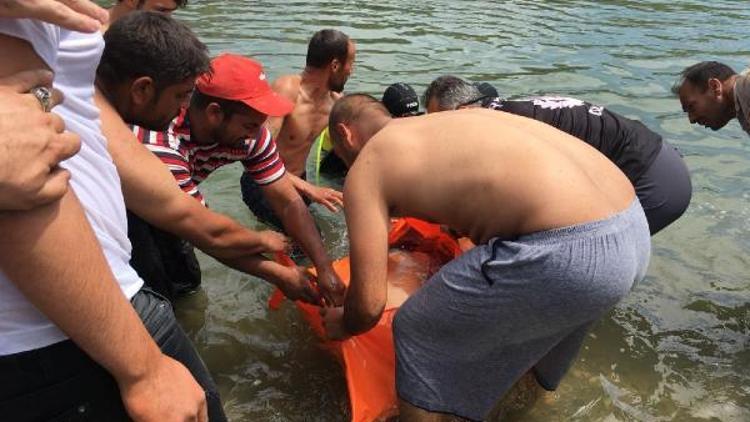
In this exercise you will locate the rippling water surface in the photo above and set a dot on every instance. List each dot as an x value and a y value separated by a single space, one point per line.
677 348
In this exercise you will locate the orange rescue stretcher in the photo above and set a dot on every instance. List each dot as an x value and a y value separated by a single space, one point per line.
418 250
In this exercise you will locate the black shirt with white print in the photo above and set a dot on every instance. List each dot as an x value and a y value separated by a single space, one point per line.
628 143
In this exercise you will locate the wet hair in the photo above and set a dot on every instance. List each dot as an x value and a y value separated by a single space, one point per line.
350 108
699 74
200 101
179 3
326 45
151 44
452 92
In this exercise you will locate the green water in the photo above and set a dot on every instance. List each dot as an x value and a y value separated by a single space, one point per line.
677 348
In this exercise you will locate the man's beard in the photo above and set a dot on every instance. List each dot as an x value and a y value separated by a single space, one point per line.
337 87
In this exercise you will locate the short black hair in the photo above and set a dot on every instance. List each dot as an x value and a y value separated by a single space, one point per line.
699 74
452 92
349 108
326 45
151 44
200 101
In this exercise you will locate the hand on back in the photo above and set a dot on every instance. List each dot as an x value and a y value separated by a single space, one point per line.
76 15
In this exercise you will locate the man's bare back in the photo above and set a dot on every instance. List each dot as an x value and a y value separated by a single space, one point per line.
487 174
296 132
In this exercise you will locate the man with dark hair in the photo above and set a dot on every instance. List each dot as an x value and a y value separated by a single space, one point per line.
330 59
655 168
123 7
225 123
149 66
147 73
712 94
551 258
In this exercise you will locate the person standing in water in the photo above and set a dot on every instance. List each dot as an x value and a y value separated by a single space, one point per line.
551 259
329 63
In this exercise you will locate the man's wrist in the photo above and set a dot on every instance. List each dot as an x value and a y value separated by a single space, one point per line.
140 367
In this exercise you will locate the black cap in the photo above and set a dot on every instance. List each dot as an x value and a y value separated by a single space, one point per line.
486 89
401 100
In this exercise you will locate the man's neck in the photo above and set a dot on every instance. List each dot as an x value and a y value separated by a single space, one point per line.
199 132
728 87
111 98
315 82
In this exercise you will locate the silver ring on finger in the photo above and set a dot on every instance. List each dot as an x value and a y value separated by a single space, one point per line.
44 95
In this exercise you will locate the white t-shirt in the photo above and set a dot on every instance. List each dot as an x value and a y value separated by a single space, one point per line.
73 57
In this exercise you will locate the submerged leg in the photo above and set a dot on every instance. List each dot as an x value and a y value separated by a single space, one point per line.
518 400
411 413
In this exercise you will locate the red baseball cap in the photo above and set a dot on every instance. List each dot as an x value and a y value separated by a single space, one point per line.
238 78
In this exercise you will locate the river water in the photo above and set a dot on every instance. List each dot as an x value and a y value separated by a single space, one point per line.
678 348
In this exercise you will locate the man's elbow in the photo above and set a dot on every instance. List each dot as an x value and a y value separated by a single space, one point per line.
363 320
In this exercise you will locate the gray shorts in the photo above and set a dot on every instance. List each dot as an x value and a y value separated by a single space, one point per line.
501 309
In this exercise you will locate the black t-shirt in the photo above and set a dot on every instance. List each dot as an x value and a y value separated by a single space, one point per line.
627 143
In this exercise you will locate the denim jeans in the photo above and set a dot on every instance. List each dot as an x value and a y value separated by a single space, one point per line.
61 383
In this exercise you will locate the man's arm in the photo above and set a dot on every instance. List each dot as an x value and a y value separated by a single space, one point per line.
367 220
51 254
297 221
53 257
152 193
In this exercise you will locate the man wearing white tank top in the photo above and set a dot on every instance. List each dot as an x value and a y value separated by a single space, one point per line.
70 343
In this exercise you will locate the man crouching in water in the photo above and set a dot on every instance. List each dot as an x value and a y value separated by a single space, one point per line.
561 239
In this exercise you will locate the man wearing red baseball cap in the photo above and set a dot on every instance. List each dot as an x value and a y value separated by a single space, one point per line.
223 124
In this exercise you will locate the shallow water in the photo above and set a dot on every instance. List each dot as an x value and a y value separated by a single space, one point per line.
678 348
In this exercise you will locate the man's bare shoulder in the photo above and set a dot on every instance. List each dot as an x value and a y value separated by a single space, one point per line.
288 86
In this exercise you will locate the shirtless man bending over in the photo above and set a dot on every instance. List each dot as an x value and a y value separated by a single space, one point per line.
561 239
330 59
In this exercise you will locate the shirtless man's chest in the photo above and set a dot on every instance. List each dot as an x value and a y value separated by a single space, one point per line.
301 127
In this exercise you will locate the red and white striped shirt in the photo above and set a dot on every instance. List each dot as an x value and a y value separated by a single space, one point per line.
192 163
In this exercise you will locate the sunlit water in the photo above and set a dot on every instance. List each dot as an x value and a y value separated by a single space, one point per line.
677 348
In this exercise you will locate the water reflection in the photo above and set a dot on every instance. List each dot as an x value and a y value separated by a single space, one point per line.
676 349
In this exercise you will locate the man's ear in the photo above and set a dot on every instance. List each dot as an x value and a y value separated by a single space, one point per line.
214 114
346 134
142 91
716 87
335 65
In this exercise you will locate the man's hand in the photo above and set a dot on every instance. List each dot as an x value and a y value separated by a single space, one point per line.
330 286
32 144
333 322
327 197
297 285
77 15
167 393
273 242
